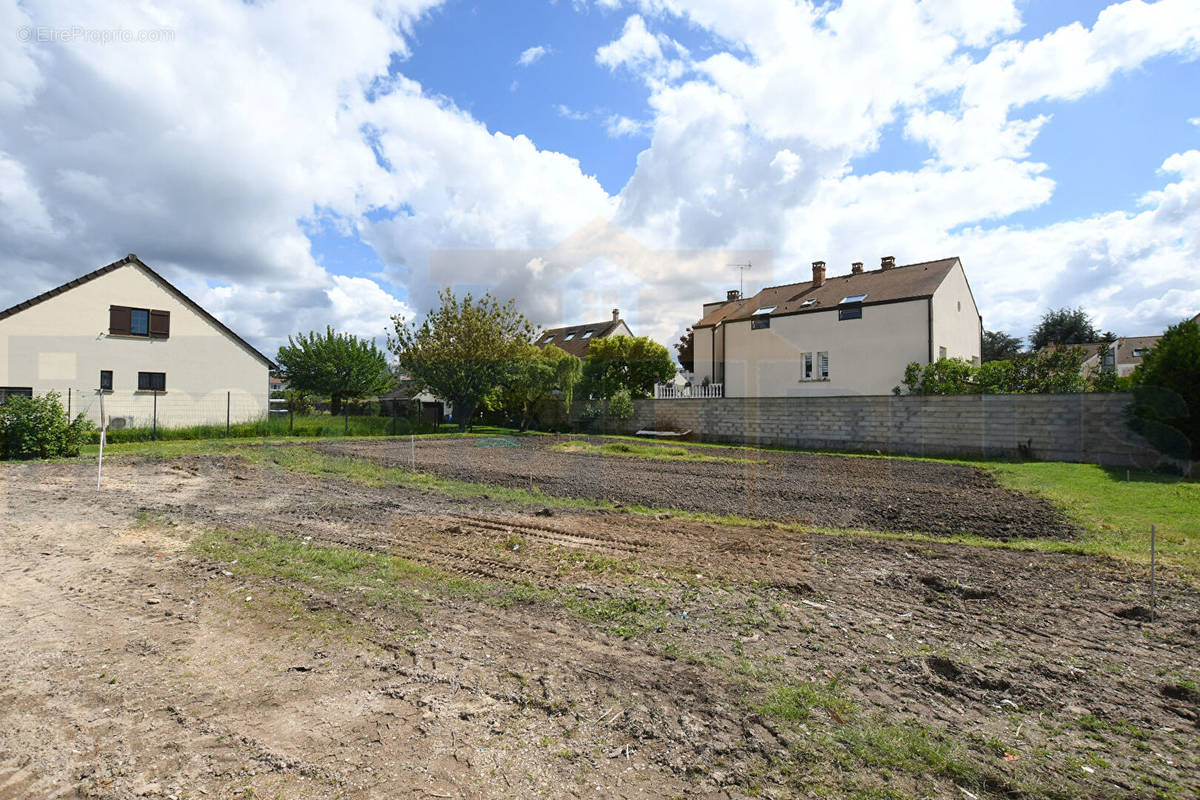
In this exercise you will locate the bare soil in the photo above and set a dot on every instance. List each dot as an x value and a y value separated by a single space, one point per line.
573 654
819 490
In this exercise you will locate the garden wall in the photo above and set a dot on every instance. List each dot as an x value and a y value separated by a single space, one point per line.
1086 428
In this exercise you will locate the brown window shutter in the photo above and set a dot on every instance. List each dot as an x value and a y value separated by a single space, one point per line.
118 320
160 324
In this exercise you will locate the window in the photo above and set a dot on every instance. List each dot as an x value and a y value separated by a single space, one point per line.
854 298
850 312
568 337
808 302
152 381
765 310
1138 352
807 371
139 321
1110 360
548 339
14 391
960 305
106 380
148 322
759 321
823 366
941 353
587 334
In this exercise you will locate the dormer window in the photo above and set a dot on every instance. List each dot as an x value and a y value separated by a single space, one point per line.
761 318
851 307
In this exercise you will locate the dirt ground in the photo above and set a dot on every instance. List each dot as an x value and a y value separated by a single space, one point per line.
564 654
819 490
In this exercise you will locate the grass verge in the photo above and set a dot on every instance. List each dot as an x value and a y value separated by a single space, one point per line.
659 452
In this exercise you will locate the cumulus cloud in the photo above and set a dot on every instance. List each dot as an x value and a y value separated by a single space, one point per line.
532 55
216 155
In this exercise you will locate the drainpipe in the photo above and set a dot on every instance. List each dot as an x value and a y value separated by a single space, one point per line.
929 301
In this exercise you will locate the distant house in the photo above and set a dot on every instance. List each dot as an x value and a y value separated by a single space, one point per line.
125 334
844 335
575 339
1124 355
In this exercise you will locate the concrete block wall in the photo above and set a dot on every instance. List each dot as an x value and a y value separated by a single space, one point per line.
1088 428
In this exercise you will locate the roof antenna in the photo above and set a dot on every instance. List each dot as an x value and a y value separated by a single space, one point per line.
741 276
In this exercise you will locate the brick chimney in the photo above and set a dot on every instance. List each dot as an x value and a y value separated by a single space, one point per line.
733 295
616 314
856 268
818 273
888 262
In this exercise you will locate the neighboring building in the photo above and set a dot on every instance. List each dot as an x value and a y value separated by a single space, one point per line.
1124 355
846 335
575 339
125 332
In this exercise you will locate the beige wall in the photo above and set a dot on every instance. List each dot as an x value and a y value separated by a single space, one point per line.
63 343
866 356
956 324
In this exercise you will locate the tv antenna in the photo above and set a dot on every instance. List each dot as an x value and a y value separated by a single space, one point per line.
741 268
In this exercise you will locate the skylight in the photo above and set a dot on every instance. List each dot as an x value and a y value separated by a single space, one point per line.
808 302
568 337
854 298
765 310
587 334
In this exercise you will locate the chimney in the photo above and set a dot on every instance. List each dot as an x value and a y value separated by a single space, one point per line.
856 268
616 314
818 274
733 295
888 262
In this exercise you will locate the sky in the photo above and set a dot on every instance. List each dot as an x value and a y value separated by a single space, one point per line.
301 164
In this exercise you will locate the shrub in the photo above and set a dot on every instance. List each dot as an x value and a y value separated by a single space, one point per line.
620 407
1167 397
38 427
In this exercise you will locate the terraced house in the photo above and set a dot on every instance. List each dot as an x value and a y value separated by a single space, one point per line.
849 334
125 334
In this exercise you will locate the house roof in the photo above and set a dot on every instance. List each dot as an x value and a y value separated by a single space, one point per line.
577 344
908 282
132 259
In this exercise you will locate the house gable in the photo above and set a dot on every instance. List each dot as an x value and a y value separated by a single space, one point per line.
50 324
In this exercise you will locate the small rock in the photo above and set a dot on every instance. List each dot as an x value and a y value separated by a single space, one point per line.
152 601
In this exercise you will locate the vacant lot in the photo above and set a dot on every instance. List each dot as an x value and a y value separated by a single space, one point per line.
232 626
818 490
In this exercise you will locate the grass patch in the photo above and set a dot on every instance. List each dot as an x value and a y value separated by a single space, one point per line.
659 452
795 702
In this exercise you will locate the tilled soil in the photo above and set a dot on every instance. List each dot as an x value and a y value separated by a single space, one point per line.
818 490
132 665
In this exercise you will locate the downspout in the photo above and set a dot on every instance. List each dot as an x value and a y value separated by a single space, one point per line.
929 301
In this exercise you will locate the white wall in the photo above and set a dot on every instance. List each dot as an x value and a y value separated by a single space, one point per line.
62 344
956 324
866 356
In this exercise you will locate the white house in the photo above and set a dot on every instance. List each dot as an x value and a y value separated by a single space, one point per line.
845 335
124 334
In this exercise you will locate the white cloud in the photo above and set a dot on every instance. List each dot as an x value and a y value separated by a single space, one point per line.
532 55
618 125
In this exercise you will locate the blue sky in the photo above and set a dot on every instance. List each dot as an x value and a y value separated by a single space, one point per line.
385 150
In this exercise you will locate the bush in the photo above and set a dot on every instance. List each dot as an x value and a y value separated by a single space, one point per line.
620 407
38 427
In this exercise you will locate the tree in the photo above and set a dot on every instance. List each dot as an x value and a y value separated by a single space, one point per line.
944 376
534 376
626 362
1167 387
463 350
999 346
339 366
1066 326
685 351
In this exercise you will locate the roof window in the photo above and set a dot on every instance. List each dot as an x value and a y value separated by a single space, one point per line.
854 298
